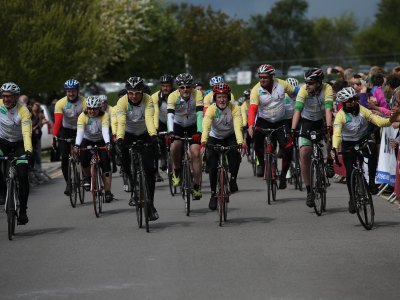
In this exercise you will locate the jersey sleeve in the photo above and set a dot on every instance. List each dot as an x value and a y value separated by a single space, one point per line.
289 89
337 129
26 127
253 108
300 99
82 121
149 116
373 118
237 123
328 96
207 122
121 108
156 110
243 110
199 110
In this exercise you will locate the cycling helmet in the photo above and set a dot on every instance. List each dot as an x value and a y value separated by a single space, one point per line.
184 79
134 83
167 78
103 98
10 87
246 93
314 74
221 88
292 81
268 69
216 80
93 101
345 94
71 84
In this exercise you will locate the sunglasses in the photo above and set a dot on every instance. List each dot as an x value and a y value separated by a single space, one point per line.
264 77
187 87
134 92
350 100
310 82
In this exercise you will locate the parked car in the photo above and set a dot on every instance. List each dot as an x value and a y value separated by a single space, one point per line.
389 65
295 71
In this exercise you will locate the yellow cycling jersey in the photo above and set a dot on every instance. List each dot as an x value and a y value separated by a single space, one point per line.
113 117
208 99
160 110
348 127
244 110
16 125
185 112
221 124
70 111
312 107
135 119
93 129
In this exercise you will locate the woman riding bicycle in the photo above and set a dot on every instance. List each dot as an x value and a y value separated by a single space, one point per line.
93 130
222 125
351 128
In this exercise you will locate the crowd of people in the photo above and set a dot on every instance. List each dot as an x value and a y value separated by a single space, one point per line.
351 107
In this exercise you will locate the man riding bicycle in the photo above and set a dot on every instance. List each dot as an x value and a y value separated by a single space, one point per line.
185 115
351 128
93 130
135 116
66 113
16 138
267 102
313 105
222 125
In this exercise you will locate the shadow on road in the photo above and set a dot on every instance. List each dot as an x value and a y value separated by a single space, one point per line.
240 221
36 232
160 226
386 224
109 212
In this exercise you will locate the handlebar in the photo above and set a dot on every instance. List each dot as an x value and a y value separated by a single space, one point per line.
88 148
221 148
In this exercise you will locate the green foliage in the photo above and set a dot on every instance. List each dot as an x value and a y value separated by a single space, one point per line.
282 33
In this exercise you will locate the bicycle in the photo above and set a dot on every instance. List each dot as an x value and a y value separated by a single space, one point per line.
295 169
223 191
96 186
318 179
74 180
172 188
360 192
11 205
140 190
271 173
186 186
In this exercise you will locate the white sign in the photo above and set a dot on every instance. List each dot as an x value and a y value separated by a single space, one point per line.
243 77
386 172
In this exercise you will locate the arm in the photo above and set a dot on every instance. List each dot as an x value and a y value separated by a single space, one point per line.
207 122
149 116
375 119
171 112
199 110
378 94
58 115
253 108
105 128
82 120
337 130
156 110
26 127
328 100
121 108
237 123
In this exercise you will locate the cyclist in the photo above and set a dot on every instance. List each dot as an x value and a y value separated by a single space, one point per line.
93 130
200 86
209 97
161 117
112 122
185 114
351 128
267 102
135 115
289 104
244 108
222 125
66 113
313 104
16 138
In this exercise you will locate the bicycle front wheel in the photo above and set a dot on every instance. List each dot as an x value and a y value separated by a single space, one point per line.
172 189
268 177
221 195
79 182
95 189
10 208
186 190
362 200
144 199
101 194
72 186
315 184
274 176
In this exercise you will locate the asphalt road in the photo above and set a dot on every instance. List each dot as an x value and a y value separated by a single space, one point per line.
278 251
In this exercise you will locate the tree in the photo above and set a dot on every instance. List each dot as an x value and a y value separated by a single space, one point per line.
283 33
333 37
380 42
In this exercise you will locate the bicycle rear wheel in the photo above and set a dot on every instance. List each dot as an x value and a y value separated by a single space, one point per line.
363 200
315 185
72 182
144 200
95 189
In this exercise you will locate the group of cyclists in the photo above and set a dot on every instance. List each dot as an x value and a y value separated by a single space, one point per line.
208 118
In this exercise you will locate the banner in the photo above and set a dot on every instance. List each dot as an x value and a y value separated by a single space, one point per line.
386 171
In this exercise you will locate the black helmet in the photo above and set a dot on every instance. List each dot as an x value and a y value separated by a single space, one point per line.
184 78
314 74
167 78
134 83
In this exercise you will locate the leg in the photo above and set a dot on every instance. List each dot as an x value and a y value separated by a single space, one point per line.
196 167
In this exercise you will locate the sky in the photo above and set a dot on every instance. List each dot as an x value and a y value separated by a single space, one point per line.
363 10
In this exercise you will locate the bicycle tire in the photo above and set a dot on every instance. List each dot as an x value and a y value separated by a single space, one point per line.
94 189
267 177
172 189
253 161
81 189
144 195
274 172
221 194
186 191
138 203
71 181
299 178
11 213
227 194
315 187
324 180
362 200
101 190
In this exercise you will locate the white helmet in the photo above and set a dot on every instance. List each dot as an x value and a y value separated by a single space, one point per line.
93 102
103 98
216 80
292 81
346 93
10 87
